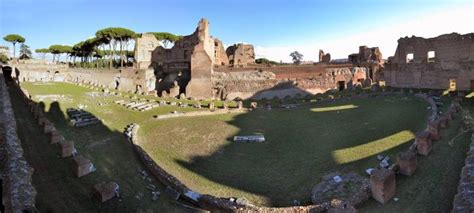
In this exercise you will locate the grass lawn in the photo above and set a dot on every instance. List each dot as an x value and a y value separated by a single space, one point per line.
58 189
302 145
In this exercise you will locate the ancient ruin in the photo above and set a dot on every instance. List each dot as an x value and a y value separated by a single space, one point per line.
443 62
320 136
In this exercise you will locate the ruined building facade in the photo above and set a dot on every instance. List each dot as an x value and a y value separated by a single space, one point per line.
240 55
187 66
443 62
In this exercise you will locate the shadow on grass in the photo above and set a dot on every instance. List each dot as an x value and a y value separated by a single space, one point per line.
305 144
59 190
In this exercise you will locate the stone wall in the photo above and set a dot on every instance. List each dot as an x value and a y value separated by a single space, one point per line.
241 55
130 80
276 83
144 46
464 199
18 192
437 63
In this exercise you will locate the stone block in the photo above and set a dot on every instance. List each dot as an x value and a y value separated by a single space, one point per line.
407 163
48 127
433 128
383 185
423 143
66 148
82 166
56 137
105 191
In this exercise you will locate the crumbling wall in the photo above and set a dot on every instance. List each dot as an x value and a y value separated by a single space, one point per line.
128 79
325 58
241 55
221 58
366 55
452 61
144 47
18 192
268 84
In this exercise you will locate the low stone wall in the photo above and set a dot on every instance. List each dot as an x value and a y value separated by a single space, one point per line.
464 199
18 191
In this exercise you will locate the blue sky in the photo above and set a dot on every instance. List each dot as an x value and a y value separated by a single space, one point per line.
274 27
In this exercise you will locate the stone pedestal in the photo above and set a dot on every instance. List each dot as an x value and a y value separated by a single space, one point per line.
106 191
433 128
66 148
82 166
423 143
56 137
383 184
407 163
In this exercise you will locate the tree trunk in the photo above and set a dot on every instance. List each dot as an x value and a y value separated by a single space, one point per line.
14 50
110 58
121 54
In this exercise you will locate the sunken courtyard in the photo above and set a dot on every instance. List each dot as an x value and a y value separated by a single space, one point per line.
199 126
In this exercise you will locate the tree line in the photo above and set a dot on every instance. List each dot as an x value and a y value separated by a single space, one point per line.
109 46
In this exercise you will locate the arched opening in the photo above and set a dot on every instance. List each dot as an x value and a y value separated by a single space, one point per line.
341 85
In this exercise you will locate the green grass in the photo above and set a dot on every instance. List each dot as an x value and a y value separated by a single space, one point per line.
302 145
58 189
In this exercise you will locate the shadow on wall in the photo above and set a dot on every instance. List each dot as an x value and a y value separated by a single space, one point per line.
59 190
300 147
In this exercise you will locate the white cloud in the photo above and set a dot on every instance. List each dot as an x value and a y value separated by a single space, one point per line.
458 19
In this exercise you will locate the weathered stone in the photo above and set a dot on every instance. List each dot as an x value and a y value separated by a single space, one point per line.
423 143
66 148
382 183
407 163
253 105
56 137
412 63
82 166
433 128
350 188
106 191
